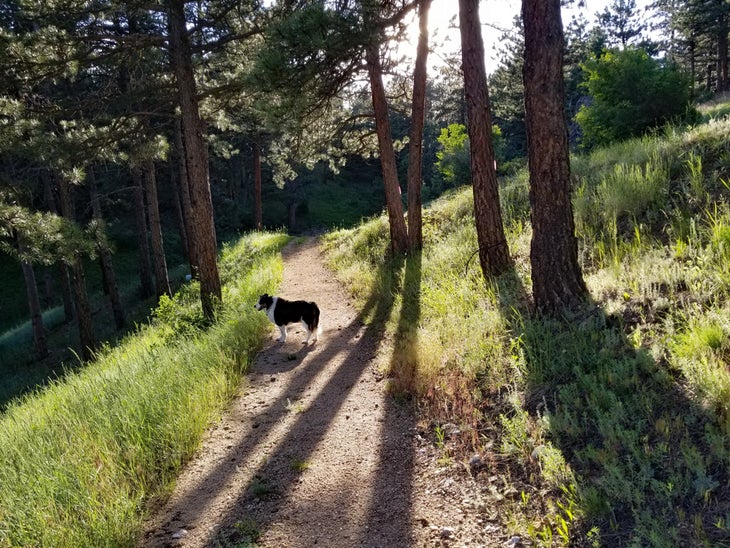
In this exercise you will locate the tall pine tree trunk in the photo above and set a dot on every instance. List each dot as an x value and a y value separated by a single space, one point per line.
63 273
140 220
179 215
162 282
418 112
557 281
493 251
78 280
258 216
187 208
722 47
196 159
398 233
110 280
34 304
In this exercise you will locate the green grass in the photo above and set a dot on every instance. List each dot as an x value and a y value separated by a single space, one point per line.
80 458
614 429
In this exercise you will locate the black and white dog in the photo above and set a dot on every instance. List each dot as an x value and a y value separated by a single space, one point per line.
282 312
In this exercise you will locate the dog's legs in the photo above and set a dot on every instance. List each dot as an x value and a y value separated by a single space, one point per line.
282 328
309 333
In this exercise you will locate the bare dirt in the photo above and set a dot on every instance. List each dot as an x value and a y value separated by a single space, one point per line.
314 452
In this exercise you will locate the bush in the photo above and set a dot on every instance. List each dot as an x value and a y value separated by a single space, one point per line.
631 94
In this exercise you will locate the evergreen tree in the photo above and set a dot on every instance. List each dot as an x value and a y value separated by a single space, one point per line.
415 169
621 22
631 94
557 280
493 251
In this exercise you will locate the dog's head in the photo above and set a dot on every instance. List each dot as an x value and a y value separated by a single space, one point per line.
265 302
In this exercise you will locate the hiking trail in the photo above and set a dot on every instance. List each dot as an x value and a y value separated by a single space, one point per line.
314 452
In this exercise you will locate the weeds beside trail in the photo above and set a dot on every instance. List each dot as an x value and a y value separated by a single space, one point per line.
80 459
612 428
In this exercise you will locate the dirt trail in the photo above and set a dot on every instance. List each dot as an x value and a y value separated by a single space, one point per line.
314 452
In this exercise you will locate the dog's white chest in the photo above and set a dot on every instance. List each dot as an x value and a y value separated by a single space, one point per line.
270 311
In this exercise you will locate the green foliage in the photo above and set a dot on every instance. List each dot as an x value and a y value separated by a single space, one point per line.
619 419
46 237
453 160
621 22
631 94
717 108
79 459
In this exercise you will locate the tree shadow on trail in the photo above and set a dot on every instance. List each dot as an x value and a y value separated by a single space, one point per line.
393 488
387 519
649 465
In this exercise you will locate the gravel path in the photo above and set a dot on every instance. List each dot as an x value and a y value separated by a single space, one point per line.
314 452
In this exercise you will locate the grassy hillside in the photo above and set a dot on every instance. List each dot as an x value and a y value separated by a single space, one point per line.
79 459
612 428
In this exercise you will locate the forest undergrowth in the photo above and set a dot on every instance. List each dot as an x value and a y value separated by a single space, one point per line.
610 427
607 428
82 457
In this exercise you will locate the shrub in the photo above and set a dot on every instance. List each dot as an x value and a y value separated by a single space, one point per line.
631 94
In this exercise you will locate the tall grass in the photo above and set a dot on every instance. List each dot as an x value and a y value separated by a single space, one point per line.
613 430
79 459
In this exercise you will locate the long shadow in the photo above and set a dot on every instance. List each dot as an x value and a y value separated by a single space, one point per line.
263 423
393 487
217 478
306 433
651 465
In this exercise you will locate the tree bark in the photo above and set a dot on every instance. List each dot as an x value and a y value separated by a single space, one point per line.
63 273
34 305
494 255
140 218
187 208
179 215
722 50
78 281
162 282
398 233
111 288
258 216
556 276
196 159
418 111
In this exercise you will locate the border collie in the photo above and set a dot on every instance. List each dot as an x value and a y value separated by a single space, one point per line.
282 312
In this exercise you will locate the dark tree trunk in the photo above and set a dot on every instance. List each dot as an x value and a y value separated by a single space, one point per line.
179 215
49 292
63 274
240 187
196 159
418 111
162 282
258 215
34 305
66 292
557 280
175 177
78 281
187 208
493 251
140 218
398 233
722 47
111 289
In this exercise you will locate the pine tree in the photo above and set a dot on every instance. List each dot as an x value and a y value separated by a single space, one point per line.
557 281
493 251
